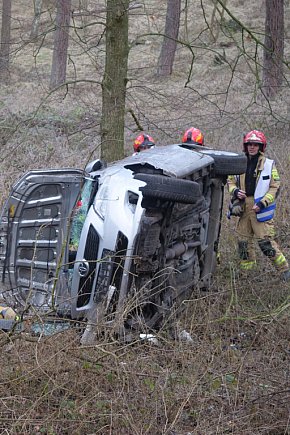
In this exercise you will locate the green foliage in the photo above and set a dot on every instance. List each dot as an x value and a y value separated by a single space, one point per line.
110 377
230 379
150 383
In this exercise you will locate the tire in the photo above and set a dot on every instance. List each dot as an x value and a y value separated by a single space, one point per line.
226 163
170 189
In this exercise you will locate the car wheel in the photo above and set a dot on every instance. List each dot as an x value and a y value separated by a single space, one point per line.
170 189
227 163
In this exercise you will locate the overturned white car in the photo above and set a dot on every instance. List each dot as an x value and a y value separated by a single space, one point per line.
129 241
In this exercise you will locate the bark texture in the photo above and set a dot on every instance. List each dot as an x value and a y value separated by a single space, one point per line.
36 19
274 47
168 49
5 37
59 59
115 80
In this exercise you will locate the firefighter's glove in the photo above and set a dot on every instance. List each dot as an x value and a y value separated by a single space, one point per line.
239 194
236 207
260 205
235 193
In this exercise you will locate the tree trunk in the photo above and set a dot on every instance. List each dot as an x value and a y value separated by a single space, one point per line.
167 54
84 5
115 80
59 59
274 47
37 14
5 38
215 22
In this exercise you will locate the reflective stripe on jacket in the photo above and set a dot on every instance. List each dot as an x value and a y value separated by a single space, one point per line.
262 187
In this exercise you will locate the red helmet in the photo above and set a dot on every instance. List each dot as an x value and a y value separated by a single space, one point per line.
193 136
255 136
143 142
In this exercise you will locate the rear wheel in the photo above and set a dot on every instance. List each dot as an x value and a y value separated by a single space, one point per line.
227 163
170 189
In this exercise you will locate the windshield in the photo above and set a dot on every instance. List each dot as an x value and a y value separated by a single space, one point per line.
79 215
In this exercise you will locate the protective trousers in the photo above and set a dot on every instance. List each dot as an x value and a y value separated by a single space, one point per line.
251 231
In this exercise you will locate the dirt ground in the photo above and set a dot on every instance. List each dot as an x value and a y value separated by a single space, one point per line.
233 377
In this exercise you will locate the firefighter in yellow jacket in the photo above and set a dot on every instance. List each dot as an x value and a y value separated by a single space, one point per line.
254 200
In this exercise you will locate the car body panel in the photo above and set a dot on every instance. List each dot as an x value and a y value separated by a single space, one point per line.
173 160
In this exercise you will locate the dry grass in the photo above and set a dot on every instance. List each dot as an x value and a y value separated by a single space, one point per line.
235 375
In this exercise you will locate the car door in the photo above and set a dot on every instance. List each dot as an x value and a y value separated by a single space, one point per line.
34 233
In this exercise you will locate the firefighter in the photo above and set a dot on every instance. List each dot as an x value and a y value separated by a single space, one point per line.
143 142
254 201
193 136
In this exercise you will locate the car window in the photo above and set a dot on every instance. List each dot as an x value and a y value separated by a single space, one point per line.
79 214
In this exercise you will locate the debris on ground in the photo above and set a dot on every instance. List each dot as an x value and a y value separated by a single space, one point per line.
151 338
49 327
8 318
185 336
7 313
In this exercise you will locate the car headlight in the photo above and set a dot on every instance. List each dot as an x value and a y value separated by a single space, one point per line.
101 201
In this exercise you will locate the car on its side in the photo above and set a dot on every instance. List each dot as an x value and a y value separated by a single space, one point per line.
125 243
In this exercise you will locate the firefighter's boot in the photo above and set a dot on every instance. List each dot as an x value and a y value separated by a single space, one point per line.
246 254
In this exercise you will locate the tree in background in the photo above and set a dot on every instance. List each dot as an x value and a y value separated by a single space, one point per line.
37 13
5 38
217 16
274 47
167 53
59 59
115 80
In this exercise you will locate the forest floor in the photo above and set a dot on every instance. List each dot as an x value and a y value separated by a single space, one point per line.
233 377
